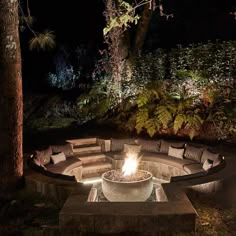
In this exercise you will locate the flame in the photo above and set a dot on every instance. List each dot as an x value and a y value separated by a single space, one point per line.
131 164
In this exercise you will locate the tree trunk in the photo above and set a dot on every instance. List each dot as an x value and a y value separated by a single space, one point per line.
142 27
11 101
118 42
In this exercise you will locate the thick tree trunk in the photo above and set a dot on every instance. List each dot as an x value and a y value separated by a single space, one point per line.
11 114
143 27
117 41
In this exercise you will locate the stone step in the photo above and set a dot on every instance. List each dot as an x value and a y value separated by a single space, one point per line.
89 148
97 167
82 141
87 158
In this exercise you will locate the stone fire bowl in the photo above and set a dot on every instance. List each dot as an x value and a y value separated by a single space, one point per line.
135 191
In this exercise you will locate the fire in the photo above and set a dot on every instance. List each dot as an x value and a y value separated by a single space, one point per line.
131 164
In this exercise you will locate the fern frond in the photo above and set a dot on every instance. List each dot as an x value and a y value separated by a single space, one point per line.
172 107
164 115
180 119
43 41
194 121
130 125
141 118
152 126
180 106
142 100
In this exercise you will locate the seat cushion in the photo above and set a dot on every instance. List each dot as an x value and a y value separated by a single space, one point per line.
149 145
176 152
118 144
165 159
132 148
208 155
56 158
193 168
208 164
64 166
164 148
193 153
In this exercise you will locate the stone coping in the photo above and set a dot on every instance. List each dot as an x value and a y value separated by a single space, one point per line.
117 217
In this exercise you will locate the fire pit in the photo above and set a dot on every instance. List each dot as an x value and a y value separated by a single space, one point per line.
128 184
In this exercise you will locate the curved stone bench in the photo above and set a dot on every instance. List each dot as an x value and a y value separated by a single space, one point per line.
154 154
155 158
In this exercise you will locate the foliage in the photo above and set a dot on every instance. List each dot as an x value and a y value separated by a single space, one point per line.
168 93
150 66
72 67
126 15
216 60
39 41
65 79
43 123
43 41
157 110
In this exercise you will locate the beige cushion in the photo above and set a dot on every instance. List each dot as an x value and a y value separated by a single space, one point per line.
176 152
43 157
66 148
193 168
132 148
207 164
149 145
193 153
118 144
208 155
56 158
166 144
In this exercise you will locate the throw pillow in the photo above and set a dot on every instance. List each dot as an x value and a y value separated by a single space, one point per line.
56 158
133 148
166 144
66 148
44 156
207 164
193 153
176 152
118 144
215 157
149 145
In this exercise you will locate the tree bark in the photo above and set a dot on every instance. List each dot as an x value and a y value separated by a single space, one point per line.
118 42
11 101
142 27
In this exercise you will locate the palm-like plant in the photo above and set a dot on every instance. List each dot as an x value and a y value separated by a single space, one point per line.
45 40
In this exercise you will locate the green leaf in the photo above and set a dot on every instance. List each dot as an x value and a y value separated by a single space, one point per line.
178 122
164 115
151 125
141 118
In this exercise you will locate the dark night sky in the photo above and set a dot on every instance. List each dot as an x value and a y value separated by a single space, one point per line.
81 21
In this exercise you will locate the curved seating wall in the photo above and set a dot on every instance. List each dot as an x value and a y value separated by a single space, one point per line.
161 165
